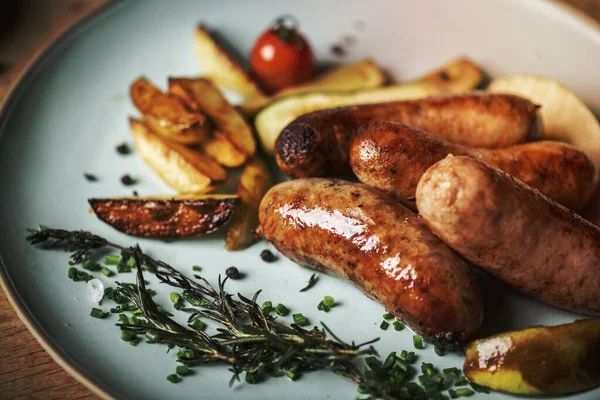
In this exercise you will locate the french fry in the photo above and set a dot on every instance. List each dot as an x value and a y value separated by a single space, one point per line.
167 116
363 74
221 68
254 183
166 217
200 94
180 167
460 75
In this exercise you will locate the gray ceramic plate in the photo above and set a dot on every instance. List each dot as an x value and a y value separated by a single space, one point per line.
71 108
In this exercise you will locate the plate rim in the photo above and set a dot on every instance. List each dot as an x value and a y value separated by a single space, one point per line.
40 54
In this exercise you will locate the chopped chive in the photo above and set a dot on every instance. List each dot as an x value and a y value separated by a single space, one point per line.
362 390
462 381
153 337
329 301
311 282
409 356
196 268
174 378
123 319
293 375
322 307
98 313
398 325
418 342
282 310
452 370
479 388
267 307
438 350
388 316
131 262
300 320
251 378
191 298
134 342
138 313
182 370
112 259
427 369
462 392
72 273
91 266
107 272
384 325
186 354
198 325
123 267
175 298
128 336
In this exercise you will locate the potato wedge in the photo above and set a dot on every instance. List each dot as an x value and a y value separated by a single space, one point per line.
166 217
167 116
180 167
202 95
271 120
460 75
223 151
223 69
363 74
541 360
254 183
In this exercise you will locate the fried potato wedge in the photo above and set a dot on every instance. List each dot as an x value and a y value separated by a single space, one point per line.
460 75
222 68
223 151
200 94
254 183
166 217
272 119
180 167
363 74
167 116
542 360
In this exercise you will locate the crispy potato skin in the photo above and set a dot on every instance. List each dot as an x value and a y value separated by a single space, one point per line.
357 232
160 218
317 144
513 232
392 157
541 360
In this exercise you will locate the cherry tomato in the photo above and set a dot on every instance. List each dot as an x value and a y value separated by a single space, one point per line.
281 56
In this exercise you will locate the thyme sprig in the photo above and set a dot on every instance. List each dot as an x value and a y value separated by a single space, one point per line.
248 340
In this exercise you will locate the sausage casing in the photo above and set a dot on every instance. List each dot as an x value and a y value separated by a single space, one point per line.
317 144
392 157
357 232
513 232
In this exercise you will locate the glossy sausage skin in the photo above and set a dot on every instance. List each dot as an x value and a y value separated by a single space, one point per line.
513 232
317 144
392 157
357 232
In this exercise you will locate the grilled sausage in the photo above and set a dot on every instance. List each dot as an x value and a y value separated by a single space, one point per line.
316 144
357 232
513 232
392 157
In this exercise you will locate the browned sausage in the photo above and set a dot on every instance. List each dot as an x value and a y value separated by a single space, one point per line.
316 144
359 233
513 232
392 157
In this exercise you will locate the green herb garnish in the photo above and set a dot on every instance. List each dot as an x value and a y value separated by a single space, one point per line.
174 378
300 320
182 370
197 268
98 313
112 259
107 272
311 282
282 310
418 342
387 316
384 325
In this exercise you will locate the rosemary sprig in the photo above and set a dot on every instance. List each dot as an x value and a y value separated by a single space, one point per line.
251 342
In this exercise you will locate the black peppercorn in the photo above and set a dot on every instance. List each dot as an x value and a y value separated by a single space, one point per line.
123 148
268 256
128 180
233 273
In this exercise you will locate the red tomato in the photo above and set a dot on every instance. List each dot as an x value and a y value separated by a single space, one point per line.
281 56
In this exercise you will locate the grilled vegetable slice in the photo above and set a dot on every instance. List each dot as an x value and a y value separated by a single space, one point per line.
254 183
167 116
202 95
180 167
166 217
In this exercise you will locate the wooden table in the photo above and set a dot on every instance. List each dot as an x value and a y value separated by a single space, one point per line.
26 370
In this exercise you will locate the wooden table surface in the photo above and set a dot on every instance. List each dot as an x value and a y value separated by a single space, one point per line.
26 370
